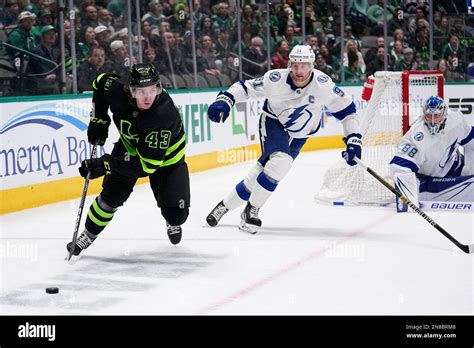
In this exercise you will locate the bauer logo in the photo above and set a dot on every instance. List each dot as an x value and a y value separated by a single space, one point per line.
419 136
451 206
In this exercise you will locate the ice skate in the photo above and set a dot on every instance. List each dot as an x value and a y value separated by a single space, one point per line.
174 233
216 214
84 240
250 221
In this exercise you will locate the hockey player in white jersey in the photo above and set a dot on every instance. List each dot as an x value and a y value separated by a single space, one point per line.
431 149
291 113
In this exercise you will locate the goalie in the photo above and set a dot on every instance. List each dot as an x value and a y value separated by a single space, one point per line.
435 158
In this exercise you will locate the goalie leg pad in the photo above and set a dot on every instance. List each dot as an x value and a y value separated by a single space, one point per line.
468 168
407 185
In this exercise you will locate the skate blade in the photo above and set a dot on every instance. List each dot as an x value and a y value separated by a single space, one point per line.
243 226
73 258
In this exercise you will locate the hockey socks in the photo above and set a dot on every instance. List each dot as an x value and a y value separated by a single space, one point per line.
99 216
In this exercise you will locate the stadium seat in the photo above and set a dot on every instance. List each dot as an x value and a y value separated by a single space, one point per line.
225 80
165 82
189 79
202 82
212 80
180 83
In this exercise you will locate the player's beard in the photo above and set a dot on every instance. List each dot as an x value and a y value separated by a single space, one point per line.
301 80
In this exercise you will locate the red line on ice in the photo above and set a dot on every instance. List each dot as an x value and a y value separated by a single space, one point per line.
281 272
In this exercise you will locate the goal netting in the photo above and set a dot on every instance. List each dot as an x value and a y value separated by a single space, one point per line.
396 102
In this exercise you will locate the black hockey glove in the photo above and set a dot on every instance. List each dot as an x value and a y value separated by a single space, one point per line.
97 166
354 148
98 131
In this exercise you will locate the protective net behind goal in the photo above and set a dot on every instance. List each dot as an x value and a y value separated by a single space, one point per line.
397 100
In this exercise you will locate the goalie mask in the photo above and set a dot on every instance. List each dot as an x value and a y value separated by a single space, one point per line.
434 114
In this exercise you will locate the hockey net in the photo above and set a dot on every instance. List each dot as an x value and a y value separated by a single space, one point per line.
396 102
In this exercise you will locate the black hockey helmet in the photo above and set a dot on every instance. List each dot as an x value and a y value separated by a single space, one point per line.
143 75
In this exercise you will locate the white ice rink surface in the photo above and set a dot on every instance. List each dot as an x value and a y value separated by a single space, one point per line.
307 259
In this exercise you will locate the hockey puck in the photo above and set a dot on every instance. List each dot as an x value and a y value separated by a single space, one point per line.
52 290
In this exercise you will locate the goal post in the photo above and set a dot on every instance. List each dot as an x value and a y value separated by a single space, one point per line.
396 102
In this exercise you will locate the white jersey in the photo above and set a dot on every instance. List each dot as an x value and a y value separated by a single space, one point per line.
433 155
299 109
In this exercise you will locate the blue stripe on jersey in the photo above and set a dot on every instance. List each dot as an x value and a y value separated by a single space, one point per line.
242 191
242 83
265 108
350 109
266 182
457 166
402 162
469 137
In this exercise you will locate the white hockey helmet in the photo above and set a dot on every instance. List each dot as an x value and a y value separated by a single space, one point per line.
301 54
434 114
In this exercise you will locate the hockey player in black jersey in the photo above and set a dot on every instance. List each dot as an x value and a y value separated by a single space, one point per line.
152 143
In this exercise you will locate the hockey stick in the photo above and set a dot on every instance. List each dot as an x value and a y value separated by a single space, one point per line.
468 249
81 207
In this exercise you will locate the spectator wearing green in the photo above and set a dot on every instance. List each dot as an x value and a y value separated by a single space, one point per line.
375 12
155 15
222 19
453 48
408 62
42 75
117 7
33 6
45 17
21 37
353 73
290 37
420 44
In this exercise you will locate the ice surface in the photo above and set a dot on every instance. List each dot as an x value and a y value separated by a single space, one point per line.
307 258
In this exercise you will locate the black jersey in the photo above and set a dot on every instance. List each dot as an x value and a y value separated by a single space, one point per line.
153 138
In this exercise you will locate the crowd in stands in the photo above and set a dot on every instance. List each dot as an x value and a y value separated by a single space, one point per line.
102 39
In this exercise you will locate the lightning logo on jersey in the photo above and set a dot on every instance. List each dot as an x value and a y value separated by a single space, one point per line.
295 116
294 107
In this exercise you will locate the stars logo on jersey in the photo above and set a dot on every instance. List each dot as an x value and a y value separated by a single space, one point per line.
419 136
275 76
323 78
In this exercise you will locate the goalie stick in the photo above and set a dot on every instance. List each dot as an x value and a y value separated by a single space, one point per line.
81 207
468 249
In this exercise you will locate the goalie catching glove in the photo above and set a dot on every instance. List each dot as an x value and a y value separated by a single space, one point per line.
354 148
97 166
224 102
